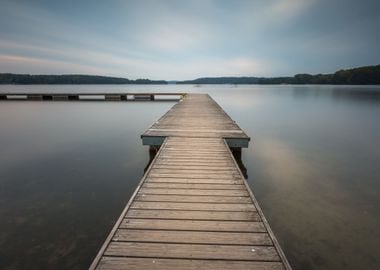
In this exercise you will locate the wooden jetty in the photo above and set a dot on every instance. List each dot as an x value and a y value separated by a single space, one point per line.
90 96
193 209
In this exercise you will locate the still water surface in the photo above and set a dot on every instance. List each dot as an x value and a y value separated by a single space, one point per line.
67 169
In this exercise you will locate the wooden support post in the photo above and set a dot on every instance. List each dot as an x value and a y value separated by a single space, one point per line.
236 152
34 97
60 97
153 150
112 97
152 97
3 97
73 97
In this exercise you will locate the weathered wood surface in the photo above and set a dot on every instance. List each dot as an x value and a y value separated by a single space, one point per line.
193 209
197 115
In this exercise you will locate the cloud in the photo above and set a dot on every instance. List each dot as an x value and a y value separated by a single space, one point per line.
286 9
182 39
175 38
206 67
22 64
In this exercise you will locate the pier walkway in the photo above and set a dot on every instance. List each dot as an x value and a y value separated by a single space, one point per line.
76 96
193 209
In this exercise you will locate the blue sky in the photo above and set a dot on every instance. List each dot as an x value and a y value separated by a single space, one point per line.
188 39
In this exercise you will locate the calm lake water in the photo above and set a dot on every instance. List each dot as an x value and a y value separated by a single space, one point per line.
67 169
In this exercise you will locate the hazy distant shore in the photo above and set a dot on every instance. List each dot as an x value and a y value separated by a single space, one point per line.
369 75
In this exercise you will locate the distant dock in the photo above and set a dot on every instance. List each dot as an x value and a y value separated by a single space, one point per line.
91 96
193 209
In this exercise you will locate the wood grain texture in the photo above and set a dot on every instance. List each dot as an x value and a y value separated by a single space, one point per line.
200 192
193 225
193 209
192 251
194 206
192 199
192 237
195 186
193 215
128 263
193 180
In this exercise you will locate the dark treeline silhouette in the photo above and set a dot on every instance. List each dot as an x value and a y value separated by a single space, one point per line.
9 78
361 75
222 80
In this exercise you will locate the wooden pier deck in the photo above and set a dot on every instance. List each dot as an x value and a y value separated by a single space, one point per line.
193 209
19 96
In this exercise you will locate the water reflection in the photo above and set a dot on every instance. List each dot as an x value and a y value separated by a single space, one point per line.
355 93
66 172
68 169
331 220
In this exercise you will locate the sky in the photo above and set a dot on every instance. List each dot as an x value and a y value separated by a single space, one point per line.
178 39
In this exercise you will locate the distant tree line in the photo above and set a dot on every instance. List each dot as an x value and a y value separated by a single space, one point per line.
9 78
222 80
361 75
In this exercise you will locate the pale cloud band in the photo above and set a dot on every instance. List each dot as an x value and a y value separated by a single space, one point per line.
187 39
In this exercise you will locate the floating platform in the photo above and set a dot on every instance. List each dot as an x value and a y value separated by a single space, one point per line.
91 96
193 209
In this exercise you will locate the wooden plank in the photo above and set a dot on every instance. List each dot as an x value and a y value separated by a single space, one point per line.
195 145
202 170
193 215
193 206
193 225
198 175
195 154
195 186
206 149
193 181
195 140
190 159
188 163
193 134
191 237
181 198
187 167
128 263
193 251
198 192
204 157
